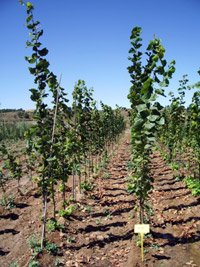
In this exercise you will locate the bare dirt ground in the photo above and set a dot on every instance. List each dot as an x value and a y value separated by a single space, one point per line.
100 233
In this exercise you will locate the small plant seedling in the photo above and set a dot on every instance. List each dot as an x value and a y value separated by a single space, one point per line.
87 186
132 215
35 245
88 209
7 202
34 263
193 184
138 242
14 264
68 211
53 225
52 248
155 246
106 175
130 165
98 221
174 166
59 262
71 239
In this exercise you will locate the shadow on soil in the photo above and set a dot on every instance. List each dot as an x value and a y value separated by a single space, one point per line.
171 189
181 206
22 205
161 257
103 228
168 183
10 216
181 195
9 231
115 195
114 213
117 183
115 189
101 243
190 219
165 180
172 240
3 253
108 203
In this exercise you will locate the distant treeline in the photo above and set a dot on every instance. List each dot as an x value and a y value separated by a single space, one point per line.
4 110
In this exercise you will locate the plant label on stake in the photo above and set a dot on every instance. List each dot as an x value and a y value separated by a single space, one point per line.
142 229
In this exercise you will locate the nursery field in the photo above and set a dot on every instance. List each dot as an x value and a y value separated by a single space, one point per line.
101 230
86 184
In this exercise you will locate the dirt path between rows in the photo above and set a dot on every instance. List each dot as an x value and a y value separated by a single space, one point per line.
100 233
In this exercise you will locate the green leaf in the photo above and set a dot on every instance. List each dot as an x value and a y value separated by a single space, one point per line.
32 70
149 125
43 52
147 146
161 121
51 159
146 86
29 6
138 123
42 64
30 26
35 94
30 60
153 118
141 107
29 18
155 58
151 139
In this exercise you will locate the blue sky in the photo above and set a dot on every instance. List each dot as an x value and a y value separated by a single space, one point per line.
89 40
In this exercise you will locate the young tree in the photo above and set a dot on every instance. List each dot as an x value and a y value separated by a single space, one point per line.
146 112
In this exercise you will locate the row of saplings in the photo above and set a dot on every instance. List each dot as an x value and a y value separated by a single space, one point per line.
64 141
175 129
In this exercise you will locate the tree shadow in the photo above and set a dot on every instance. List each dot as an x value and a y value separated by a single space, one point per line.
172 240
164 172
102 228
3 253
168 183
114 177
182 221
101 243
9 231
122 182
10 216
22 205
37 195
182 195
171 189
115 189
113 213
114 195
161 257
181 206
108 203
165 179
119 168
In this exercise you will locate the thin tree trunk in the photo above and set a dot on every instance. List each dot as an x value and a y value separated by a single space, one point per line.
79 182
141 210
64 194
53 199
85 168
44 217
74 184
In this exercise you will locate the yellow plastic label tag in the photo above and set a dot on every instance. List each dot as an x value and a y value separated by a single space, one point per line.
142 228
